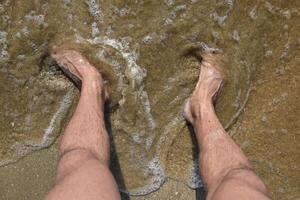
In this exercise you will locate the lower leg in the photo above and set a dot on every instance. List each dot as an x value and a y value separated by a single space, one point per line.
222 163
83 167
86 130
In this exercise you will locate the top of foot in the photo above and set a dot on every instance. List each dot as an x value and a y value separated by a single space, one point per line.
73 62
208 85
78 68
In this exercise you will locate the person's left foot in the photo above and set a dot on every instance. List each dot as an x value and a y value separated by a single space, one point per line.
209 83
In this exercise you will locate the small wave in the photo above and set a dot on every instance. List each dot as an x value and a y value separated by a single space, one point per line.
23 149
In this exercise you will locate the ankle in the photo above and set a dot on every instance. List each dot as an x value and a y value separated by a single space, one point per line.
94 85
91 75
206 121
196 111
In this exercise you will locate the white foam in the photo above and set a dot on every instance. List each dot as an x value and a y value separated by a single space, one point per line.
287 14
180 8
2 9
94 9
137 74
63 107
253 13
95 29
22 149
208 49
219 19
3 37
148 39
269 7
169 2
148 143
174 14
154 170
38 19
194 176
4 55
137 138
268 53
230 3
147 109
286 50
66 2
121 12
215 35
236 36
168 21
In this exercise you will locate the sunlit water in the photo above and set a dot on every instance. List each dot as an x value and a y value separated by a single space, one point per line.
139 47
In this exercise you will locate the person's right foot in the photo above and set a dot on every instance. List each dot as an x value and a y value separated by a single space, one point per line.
209 82
74 62
78 67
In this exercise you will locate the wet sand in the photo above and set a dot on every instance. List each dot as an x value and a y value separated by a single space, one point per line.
261 40
267 133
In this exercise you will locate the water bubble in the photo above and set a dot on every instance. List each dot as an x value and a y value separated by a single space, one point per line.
147 39
66 2
253 13
153 169
287 14
121 12
147 109
136 138
180 8
269 7
230 3
235 35
286 50
94 9
148 142
215 35
4 55
167 21
170 2
268 53
3 37
38 19
2 9
264 119
219 19
95 29
208 49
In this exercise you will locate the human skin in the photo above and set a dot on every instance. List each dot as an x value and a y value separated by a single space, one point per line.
225 170
83 166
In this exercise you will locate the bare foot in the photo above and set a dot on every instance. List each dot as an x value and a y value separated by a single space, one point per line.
209 83
77 67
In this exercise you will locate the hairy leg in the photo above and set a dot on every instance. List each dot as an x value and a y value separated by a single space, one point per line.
226 172
83 167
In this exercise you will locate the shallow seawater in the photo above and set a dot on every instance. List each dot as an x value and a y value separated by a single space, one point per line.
139 47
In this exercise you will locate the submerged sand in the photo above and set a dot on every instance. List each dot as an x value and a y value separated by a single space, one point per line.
141 45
